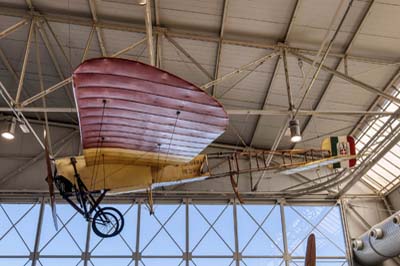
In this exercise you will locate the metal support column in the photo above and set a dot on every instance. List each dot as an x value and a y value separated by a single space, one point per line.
137 250
86 254
286 255
346 232
35 253
187 239
237 256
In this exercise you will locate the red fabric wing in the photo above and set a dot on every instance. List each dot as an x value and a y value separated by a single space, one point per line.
130 105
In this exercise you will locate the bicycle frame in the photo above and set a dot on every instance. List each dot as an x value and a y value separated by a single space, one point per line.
83 196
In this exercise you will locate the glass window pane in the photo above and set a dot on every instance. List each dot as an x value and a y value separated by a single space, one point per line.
162 238
18 239
323 221
211 226
161 233
259 230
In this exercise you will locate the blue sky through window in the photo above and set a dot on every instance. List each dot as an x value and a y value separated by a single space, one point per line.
162 237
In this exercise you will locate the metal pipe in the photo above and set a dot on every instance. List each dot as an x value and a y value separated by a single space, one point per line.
307 112
41 83
65 82
86 258
347 78
38 157
70 18
38 233
343 61
286 254
194 61
240 69
271 112
326 52
274 147
12 28
289 91
88 42
20 116
58 43
387 88
379 243
138 219
236 257
149 32
130 47
92 6
56 64
219 48
46 92
25 62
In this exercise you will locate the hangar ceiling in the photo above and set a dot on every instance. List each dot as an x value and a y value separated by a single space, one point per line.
233 49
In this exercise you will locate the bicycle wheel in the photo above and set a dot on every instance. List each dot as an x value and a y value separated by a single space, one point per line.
107 222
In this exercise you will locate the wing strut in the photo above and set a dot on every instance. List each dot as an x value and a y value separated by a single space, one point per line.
150 198
50 181
233 182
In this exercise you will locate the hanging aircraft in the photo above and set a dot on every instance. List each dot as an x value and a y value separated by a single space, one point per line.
142 128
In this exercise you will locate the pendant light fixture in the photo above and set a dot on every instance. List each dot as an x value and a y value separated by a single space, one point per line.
9 133
295 134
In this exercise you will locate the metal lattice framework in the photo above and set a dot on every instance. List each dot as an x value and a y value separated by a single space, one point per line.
151 36
180 233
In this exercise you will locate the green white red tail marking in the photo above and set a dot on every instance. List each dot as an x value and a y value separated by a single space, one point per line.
341 146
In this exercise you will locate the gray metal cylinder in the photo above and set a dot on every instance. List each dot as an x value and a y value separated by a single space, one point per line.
379 243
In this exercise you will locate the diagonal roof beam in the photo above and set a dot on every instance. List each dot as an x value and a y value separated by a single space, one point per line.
25 61
387 89
187 54
69 18
13 28
349 79
233 73
368 164
339 64
268 90
68 80
54 59
219 48
35 159
99 33
277 65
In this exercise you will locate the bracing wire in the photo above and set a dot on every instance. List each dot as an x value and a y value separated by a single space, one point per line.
172 135
98 145
131 162
104 174
326 51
